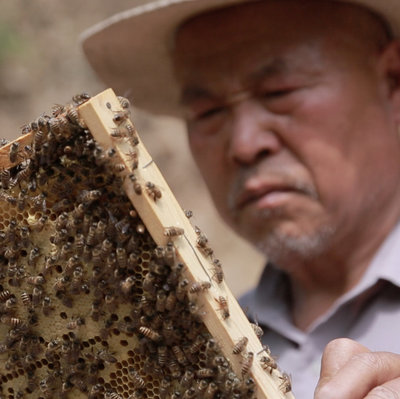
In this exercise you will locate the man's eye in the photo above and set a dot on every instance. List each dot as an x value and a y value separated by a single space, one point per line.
209 113
275 94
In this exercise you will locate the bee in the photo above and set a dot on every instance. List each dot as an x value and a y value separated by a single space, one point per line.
127 284
26 299
88 196
201 387
223 307
11 321
106 356
202 242
162 354
174 368
168 330
187 379
149 333
38 139
36 280
10 303
80 98
61 283
8 198
14 152
5 177
121 257
170 254
171 301
36 296
153 191
286 384
247 363
4 295
165 384
210 391
120 116
161 301
49 264
149 283
199 286
173 231
136 378
190 393
47 306
181 290
196 345
240 345
124 102
205 373
179 355
39 225
137 188
218 274
257 330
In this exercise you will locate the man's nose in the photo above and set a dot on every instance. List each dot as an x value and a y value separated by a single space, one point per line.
252 134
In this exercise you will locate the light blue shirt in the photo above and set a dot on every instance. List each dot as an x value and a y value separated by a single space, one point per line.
369 314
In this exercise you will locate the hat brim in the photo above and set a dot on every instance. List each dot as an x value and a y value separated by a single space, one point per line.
131 51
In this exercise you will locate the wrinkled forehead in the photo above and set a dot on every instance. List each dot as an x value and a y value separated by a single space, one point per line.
276 21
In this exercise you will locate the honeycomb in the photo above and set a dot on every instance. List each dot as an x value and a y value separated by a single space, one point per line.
90 305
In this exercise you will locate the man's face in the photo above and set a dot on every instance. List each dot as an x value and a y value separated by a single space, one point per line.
290 121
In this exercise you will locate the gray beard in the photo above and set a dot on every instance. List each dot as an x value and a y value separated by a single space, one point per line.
285 250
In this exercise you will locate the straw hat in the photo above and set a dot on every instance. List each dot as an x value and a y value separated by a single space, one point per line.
131 50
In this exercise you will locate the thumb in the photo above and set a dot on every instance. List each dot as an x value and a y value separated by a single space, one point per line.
336 354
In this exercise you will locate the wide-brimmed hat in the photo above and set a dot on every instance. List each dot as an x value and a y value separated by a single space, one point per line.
131 51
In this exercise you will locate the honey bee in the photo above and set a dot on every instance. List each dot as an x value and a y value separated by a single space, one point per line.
8 198
38 140
74 324
205 373
11 321
257 330
121 257
201 387
39 225
181 290
286 384
188 213
173 231
187 379
165 384
47 306
210 391
223 307
149 333
196 345
14 152
120 116
124 102
179 355
218 274
36 296
137 188
106 356
5 178
171 301
36 280
174 368
10 303
80 98
127 284
240 345
153 191
199 286
190 393
149 283
26 299
247 363
136 378
88 196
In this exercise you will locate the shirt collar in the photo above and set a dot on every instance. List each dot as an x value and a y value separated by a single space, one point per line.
269 302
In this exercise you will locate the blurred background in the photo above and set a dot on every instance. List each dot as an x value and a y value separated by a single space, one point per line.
41 64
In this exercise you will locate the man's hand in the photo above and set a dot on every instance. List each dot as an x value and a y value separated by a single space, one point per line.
351 371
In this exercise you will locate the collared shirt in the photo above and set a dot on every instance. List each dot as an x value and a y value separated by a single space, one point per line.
369 314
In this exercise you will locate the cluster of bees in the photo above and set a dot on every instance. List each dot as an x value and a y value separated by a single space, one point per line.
89 305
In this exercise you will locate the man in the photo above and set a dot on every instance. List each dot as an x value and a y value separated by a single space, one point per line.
292 109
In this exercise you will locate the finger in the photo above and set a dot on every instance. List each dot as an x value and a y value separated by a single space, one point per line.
336 354
360 375
389 390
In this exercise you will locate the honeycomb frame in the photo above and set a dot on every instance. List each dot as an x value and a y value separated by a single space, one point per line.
106 288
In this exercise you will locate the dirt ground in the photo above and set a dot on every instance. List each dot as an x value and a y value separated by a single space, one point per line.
41 64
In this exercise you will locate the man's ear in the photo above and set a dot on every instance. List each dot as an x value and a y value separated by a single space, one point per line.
389 64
